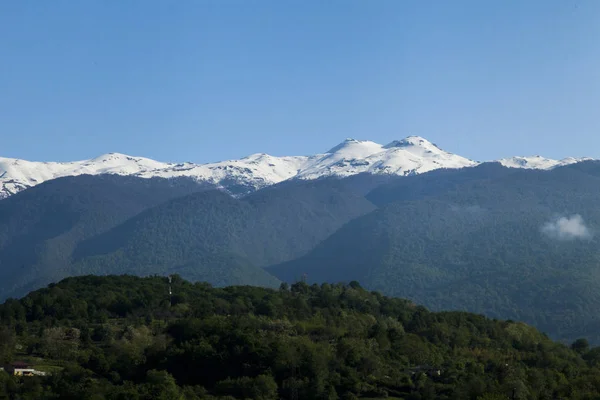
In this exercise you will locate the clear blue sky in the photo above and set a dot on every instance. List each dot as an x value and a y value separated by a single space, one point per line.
199 80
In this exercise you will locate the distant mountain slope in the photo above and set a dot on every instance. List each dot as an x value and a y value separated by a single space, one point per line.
519 244
39 227
114 224
435 183
409 156
205 231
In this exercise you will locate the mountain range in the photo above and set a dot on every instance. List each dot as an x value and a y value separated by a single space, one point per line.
514 239
411 155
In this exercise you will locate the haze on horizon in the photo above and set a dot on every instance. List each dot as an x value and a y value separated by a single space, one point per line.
213 80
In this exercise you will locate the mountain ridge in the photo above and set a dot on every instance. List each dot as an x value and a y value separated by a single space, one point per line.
408 156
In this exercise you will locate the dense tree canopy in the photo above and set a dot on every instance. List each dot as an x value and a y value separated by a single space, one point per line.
114 224
483 239
123 337
41 226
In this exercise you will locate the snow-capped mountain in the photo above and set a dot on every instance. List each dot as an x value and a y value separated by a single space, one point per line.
247 174
16 175
412 155
539 162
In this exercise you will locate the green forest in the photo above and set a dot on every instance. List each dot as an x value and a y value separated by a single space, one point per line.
472 240
125 337
124 225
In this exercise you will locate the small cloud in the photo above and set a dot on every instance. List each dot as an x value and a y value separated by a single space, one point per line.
567 228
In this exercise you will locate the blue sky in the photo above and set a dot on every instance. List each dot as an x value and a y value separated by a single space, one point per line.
201 81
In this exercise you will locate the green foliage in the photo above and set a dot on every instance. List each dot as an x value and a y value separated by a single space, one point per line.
120 337
213 237
581 346
7 344
114 225
472 239
262 387
41 226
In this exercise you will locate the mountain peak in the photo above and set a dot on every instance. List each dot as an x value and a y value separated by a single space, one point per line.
111 155
347 142
410 141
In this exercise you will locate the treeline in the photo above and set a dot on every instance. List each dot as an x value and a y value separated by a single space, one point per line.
123 337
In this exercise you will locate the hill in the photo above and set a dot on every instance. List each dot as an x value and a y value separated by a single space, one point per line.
508 243
117 224
198 236
123 337
40 227
434 183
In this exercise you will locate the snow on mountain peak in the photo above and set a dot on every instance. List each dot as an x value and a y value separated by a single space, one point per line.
352 145
16 175
539 162
408 156
411 141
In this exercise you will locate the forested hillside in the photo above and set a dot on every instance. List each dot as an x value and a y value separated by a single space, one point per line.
40 227
508 243
110 224
213 237
123 337
435 183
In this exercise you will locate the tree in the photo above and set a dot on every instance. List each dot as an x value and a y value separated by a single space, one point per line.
60 343
7 344
263 387
492 396
581 346
162 386
355 285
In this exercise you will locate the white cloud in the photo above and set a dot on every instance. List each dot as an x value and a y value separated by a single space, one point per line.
567 228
